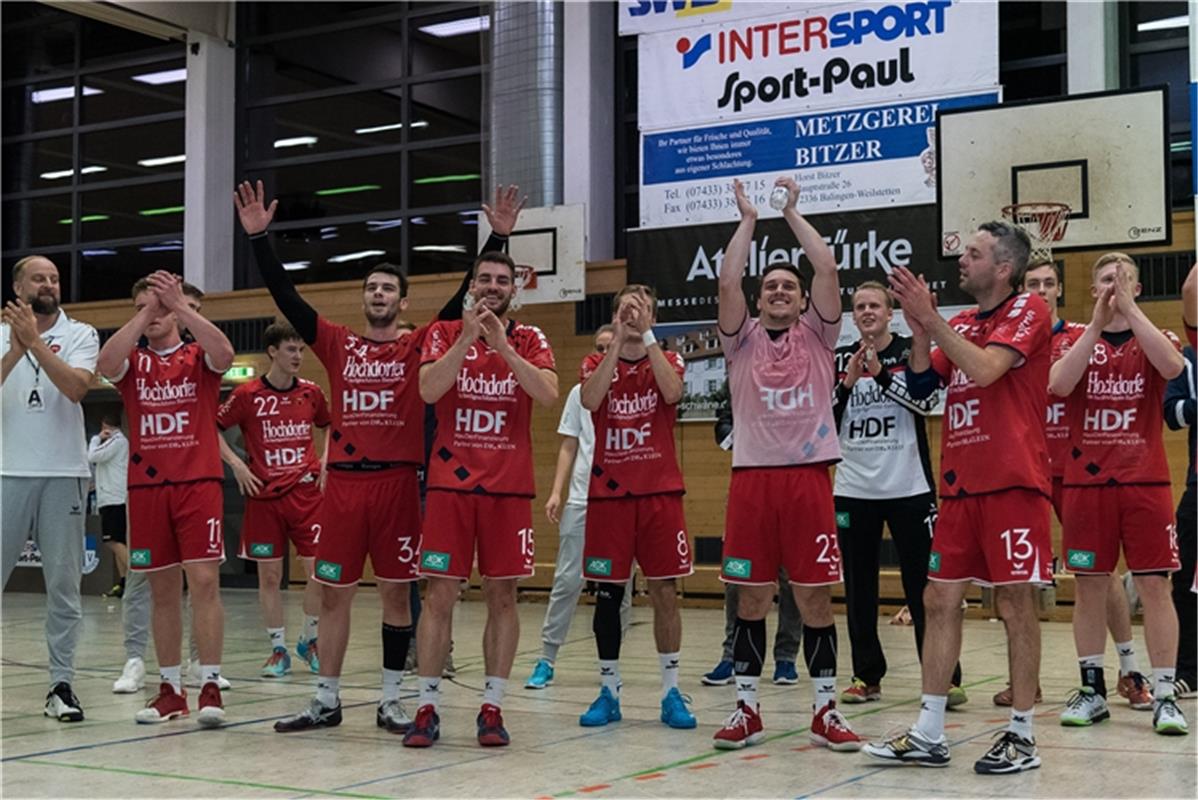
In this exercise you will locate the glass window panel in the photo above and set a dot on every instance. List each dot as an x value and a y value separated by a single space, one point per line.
1152 22
266 18
108 273
40 164
135 92
445 41
1027 30
334 188
147 210
119 150
446 108
337 58
271 75
348 122
445 176
1025 84
442 242
1181 175
103 42
37 223
628 90
1171 67
34 51
337 253
40 106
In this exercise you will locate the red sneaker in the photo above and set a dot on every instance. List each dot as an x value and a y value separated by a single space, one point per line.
425 729
212 710
831 729
1134 687
167 705
741 729
491 732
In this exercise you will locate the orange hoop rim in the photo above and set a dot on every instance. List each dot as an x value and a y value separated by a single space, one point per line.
1051 219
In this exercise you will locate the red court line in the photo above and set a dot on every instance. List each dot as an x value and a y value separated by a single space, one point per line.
596 788
804 748
755 756
651 776
705 765
996 720
955 725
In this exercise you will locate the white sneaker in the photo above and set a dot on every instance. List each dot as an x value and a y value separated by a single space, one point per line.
132 679
1084 707
192 678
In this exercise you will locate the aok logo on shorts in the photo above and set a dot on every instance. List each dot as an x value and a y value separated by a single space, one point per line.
738 567
599 566
263 550
934 562
438 562
1083 559
328 570
140 558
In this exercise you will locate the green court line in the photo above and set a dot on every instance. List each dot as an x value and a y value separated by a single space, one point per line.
714 753
198 779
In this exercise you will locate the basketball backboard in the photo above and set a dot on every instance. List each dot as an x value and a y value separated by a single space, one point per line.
1105 154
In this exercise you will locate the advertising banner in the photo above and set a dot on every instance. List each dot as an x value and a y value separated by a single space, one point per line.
842 160
808 58
652 16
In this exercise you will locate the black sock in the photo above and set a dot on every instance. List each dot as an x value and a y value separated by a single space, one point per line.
606 623
748 646
396 641
1093 677
819 648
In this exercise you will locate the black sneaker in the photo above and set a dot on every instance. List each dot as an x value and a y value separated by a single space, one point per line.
314 716
1011 753
62 704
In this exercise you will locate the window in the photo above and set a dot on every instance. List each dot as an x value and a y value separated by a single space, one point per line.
1031 50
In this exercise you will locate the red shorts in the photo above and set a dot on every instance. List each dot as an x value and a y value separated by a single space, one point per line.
1098 519
500 525
650 529
268 524
781 517
993 539
175 523
1058 498
375 513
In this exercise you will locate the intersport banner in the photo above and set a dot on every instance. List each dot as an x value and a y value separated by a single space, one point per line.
832 56
684 263
652 16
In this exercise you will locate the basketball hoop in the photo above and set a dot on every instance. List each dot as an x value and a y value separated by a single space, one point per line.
1044 223
526 277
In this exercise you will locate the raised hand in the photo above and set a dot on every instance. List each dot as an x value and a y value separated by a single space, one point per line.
1125 288
746 208
471 330
1104 306
19 316
855 368
492 329
918 302
255 216
792 191
168 288
504 212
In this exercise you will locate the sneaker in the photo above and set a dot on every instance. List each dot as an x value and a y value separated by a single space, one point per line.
212 710
1084 707
1134 686
392 716
861 692
192 678
542 675
830 729
1011 753
425 729
1167 718
62 704
278 665
1006 696
956 697
674 711
785 673
306 650
605 709
1183 688
741 729
449 670
117 591
133 677
491 732
315 715
167 705
722 675
910 748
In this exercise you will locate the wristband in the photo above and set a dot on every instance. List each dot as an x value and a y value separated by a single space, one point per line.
648 338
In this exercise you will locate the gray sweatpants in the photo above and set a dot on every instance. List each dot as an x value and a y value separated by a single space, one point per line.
568 582
52 511
790 623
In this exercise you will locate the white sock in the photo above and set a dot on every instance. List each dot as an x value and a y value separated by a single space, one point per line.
209 673
746 690
328 691
277 638
1127 657
825 691
609 676
392 678
669 671
1021 722
430 692
493 689
309 628
1163 678
931 716
173 676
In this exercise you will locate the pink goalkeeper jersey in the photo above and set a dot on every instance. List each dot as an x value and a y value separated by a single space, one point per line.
782 393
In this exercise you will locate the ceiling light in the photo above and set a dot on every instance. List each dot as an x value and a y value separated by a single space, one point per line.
439 248
458 27
417 221
66 173
420 123
296 141
161 248
166 76
161 161
354 256
85 218
60 93
292 266
394 126
158 212
373 225
1163 24
362 187
470 176
93 253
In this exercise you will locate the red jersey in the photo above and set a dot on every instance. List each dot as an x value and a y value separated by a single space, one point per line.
170 401
277 427
1115 417
993 437
378 416
1064 335
483 442
634 432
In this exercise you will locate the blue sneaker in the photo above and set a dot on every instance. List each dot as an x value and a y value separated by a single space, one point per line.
605 709
278 665
674 711
542 675
720 676
306 649
785 673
